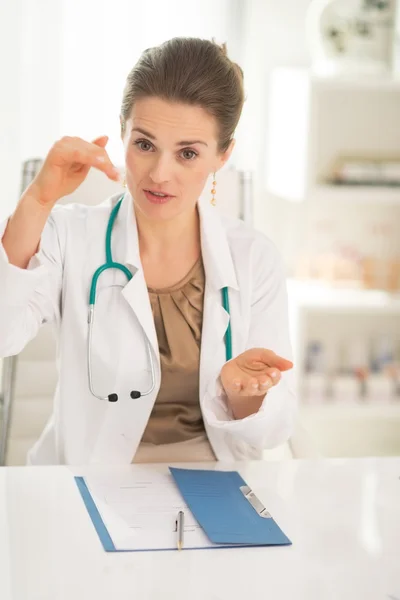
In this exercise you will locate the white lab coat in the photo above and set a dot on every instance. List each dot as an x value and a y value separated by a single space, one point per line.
55 287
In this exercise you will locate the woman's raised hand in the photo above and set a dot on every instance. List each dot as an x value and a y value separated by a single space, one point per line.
66 167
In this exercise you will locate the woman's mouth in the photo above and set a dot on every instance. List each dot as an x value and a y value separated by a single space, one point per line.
157 197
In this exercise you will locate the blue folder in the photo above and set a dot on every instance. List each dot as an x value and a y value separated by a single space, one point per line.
222 503
226 508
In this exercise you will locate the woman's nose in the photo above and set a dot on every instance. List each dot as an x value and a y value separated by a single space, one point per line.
161 170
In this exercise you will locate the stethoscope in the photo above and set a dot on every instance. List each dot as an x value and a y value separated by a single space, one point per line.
110 264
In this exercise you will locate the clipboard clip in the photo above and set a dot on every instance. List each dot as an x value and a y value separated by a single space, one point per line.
255 502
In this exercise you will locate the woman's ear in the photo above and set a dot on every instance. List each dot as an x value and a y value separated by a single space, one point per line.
225 156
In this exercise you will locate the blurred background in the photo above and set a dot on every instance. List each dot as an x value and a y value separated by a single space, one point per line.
316 168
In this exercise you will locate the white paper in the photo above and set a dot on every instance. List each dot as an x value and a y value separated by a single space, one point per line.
140 511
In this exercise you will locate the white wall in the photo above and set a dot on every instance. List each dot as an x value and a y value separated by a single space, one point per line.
30 50
274 35
10 132
40 76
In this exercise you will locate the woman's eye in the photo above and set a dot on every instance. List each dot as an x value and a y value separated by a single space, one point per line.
188 154
143 145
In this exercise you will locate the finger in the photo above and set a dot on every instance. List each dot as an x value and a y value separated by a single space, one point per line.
266 382
274 375
88 154
251 387
234 387
274 360
101 141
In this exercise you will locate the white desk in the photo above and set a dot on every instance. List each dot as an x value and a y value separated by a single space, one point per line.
343 517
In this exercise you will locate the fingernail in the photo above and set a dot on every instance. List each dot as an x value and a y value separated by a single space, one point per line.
265 384
273 373
236 384
101 159
254 386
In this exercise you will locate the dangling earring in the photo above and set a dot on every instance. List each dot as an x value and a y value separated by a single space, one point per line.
213 192
123 182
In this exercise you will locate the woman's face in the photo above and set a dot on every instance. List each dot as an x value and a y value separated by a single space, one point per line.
170 150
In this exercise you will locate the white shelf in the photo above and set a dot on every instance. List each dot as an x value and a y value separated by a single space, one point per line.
345 83
354 410
339 429
316 295
315 120
351 194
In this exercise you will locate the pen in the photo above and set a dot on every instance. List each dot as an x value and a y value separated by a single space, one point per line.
179 528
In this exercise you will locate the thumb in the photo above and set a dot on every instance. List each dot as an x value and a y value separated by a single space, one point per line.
274 360
101 141
285 364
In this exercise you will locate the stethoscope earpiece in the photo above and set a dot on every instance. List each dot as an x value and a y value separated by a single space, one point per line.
114 397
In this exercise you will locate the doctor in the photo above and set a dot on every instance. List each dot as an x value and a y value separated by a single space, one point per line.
187 355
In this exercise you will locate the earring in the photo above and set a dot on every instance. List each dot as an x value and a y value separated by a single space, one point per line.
213 192
123 182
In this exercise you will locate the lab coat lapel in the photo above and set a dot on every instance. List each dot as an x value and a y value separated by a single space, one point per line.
135 292
220 272
215 324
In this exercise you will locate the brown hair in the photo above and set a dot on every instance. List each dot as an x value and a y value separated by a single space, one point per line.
191 71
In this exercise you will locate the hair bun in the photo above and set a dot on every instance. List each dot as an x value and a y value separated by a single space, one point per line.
223 47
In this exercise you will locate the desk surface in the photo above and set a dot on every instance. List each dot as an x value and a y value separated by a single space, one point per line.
343 517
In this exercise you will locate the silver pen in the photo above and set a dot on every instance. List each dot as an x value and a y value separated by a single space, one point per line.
179 529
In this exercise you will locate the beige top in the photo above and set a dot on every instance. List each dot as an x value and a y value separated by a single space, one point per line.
178 317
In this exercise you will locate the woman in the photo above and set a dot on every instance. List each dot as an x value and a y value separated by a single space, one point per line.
180 108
